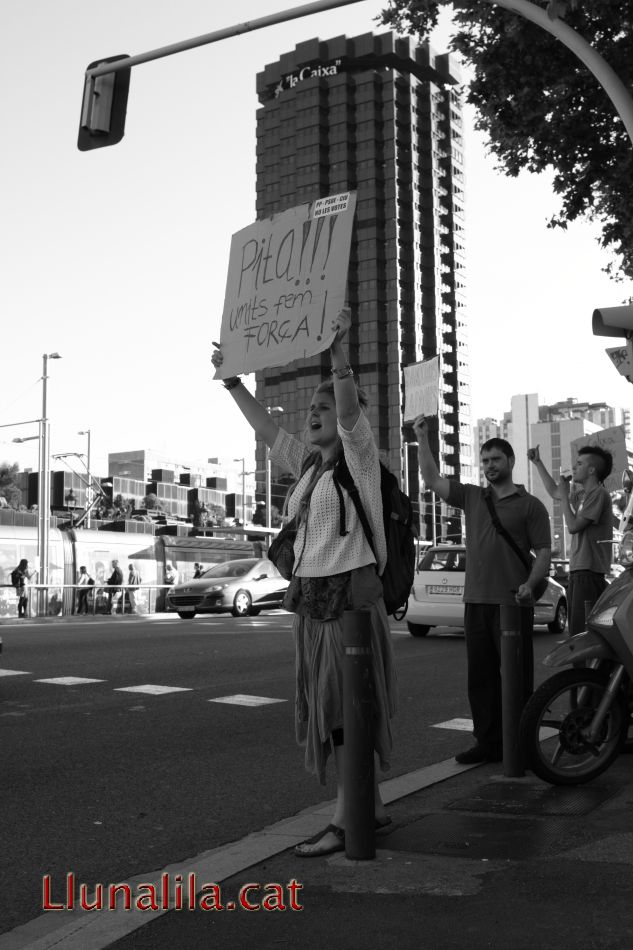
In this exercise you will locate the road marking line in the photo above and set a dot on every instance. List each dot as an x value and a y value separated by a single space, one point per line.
86 930
240 699
69 681
14 673
464 725
153 690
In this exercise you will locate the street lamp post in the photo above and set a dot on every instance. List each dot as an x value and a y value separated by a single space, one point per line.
44 489
243 461
86 432
40 438
269 499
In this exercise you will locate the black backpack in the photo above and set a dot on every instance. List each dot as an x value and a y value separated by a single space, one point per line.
16 577
400 534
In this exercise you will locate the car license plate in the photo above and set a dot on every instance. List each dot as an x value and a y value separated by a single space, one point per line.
444 589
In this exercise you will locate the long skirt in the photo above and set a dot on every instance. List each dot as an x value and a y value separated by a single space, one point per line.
319 692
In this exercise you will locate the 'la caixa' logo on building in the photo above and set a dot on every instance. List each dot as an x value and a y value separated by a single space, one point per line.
307 72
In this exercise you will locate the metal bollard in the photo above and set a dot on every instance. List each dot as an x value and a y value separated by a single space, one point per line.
511 689
358 758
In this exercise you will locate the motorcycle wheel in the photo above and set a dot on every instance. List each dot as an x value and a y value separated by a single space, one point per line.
553 721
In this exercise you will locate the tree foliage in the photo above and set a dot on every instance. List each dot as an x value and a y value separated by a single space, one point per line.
8 486
122 508
540 106
259 516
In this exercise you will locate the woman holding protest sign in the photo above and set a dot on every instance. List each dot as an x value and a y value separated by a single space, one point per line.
334 568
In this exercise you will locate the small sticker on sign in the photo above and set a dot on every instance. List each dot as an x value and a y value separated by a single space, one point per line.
335 204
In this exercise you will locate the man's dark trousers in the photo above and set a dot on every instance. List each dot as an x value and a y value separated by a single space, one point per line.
583 586
482 626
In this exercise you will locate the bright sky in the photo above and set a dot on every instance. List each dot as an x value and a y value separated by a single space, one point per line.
117 258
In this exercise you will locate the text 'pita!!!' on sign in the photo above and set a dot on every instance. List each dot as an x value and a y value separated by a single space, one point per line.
286 284
421 387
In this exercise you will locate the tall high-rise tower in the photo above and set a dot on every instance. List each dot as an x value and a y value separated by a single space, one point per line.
379 115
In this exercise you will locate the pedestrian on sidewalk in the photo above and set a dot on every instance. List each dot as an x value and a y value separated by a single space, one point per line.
115 582
334 569
171 574
85 582
134 581
495 576
589 520
20 578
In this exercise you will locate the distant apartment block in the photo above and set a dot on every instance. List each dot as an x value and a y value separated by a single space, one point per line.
596 412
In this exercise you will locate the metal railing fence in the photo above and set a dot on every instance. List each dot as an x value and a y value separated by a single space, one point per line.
89 599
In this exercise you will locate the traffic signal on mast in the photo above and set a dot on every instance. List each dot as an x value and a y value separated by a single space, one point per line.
617 321
103 106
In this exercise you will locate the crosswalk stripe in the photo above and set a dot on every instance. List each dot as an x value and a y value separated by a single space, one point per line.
464 725
68 681
153 690
241 699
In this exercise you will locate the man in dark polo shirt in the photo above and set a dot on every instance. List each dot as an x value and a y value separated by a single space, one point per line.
495 576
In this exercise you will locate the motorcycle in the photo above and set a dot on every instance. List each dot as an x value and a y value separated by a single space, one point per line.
577 722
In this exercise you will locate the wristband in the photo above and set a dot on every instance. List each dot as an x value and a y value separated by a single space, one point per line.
231 382
343 371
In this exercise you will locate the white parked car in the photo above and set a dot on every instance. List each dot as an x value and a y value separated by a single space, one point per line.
438 588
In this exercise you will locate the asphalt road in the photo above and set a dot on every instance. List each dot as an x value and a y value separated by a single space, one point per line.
114 777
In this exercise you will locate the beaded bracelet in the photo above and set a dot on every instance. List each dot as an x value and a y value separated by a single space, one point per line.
343 371
231 382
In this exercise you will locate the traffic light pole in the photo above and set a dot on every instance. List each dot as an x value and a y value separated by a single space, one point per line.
282 17
106 81
606 76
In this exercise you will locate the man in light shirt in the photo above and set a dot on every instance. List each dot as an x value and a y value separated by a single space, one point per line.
590 523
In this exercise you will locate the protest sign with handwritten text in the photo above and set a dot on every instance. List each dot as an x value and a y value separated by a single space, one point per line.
421 387
286 283
613 440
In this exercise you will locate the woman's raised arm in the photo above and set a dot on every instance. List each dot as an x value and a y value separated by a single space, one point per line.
252 410
345 392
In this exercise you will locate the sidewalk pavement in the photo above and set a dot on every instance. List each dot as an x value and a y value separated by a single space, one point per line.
472 860
82 618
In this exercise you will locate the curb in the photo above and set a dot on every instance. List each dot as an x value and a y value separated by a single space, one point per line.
85 930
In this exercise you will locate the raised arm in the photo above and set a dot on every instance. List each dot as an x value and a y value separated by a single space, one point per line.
345 394
252 410
428 469
575 522
550 485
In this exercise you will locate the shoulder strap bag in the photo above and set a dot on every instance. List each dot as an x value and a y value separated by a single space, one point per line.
281 550
541 586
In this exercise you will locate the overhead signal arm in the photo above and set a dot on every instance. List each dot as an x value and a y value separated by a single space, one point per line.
107 81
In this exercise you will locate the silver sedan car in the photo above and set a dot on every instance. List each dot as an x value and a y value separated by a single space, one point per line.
242 587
